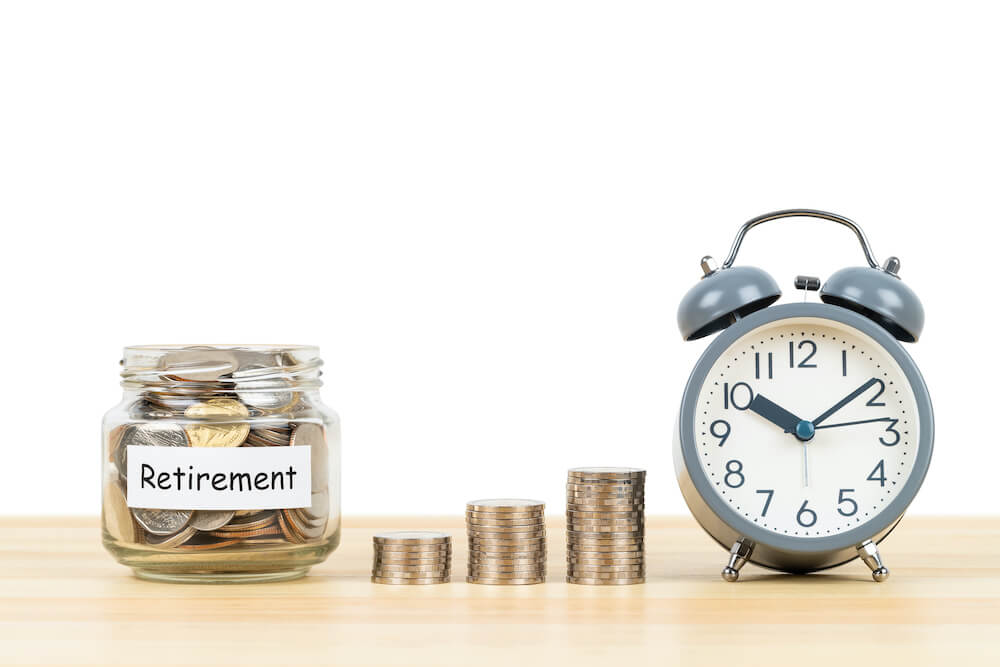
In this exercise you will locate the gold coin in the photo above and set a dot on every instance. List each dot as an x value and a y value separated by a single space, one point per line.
226 434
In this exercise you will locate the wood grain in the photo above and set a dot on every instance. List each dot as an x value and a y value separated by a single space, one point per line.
64 601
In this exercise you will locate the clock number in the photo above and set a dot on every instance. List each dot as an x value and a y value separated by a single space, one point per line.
729 396
806 517
767 503
873 402
843 361
844 499
770 365
725 430
880 476
805 362
734 469
890 429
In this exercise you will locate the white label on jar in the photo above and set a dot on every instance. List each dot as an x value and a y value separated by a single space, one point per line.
219 478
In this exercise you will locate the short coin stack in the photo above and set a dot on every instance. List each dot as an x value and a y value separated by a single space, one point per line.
506 541
605 526
412 557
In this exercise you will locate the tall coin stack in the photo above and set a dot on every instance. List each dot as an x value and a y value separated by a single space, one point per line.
605 526
412 557
506 541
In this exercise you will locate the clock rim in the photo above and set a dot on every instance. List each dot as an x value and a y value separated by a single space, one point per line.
871 529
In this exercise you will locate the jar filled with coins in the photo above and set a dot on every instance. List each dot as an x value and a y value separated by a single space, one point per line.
221 464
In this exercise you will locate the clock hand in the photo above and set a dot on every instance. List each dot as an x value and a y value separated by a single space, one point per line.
844 401
777 415
863 421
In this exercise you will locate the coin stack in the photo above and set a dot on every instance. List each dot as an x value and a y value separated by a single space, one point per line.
605 526
506 541
412 557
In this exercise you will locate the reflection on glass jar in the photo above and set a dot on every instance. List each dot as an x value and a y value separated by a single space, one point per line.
221 464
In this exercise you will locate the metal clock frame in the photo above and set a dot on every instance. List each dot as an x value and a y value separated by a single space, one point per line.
748 541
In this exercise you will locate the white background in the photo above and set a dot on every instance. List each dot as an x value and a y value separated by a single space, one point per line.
484 213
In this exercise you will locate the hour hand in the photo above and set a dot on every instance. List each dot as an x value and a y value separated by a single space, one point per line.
777 415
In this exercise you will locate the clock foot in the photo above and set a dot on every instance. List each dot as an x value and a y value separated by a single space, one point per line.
738 556
869 554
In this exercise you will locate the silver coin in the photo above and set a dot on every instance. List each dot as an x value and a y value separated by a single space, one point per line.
494 581
199 364
620 567
412 537
401 550
609 499
506 562
603 540
410 582
602 565
161 522
514 523
505 530
627 551
171 541
410 574
485 551
602 574
621 516
504 505
607 472
540 514
420 573
210 519
507 570
156 434
587 581
522 542
262 386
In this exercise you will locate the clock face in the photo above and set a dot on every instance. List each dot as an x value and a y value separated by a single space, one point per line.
806 427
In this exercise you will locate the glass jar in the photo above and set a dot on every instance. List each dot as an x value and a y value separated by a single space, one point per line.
221 464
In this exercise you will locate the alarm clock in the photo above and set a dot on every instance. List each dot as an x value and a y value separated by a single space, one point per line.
805 429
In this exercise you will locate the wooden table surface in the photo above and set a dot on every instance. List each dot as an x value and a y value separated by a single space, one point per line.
63 600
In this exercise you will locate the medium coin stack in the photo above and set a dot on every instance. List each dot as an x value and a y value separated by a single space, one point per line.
506 541
605 526
412 557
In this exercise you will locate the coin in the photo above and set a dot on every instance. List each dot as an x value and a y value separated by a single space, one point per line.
540 514
261 386
414 563
412 537
511 531
504 505
596 570
590 581
314 437
147 435
575 515
393 570
171 541
414 551
222 434
607 472
198 364
161 522
506 562
536 569
394 580
210 519
117 518
522 542
504 523
497 581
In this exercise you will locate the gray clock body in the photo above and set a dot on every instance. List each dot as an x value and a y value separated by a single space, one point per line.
768 547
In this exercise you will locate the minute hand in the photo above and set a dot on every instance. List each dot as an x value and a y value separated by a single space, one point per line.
844 401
